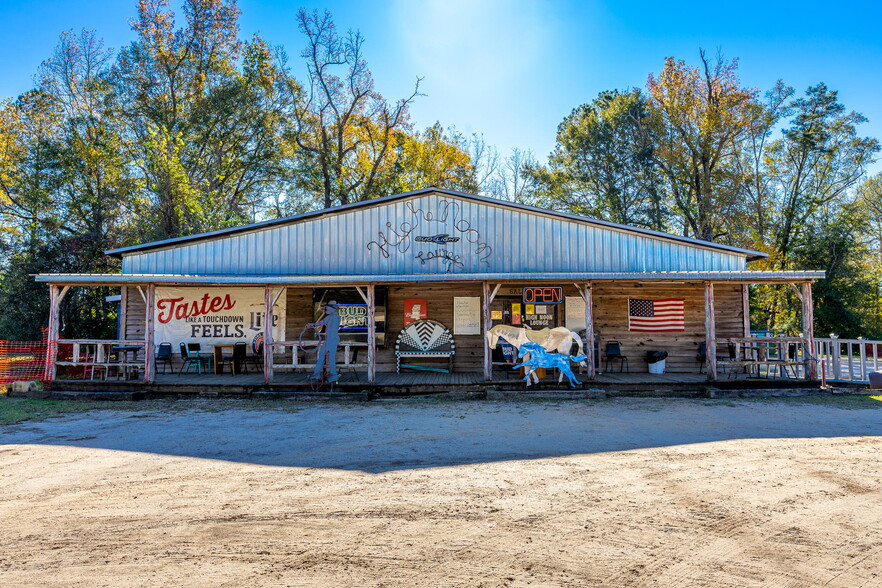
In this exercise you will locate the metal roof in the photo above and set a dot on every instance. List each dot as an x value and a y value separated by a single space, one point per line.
121 251
678 276
432 233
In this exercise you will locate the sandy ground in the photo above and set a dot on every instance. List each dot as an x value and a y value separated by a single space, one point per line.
612 493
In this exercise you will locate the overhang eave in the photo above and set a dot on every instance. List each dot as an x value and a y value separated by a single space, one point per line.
745 277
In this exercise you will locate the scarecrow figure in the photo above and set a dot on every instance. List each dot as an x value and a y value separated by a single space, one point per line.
327 350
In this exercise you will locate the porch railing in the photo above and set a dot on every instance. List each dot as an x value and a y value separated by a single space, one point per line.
838 360
849 360
289 354
98 357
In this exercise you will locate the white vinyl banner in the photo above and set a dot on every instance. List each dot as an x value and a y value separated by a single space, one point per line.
214 315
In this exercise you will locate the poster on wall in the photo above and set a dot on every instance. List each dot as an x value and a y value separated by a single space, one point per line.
414 309
575 317
211 316
466 315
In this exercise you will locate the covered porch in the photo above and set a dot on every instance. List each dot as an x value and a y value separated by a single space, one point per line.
714 346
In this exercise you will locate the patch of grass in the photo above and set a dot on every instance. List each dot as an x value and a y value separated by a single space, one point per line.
16 410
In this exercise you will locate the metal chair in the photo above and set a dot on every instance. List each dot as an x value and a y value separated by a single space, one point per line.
723 361
614 353
727 361
240 354
164 356
190 356
256 359
196 348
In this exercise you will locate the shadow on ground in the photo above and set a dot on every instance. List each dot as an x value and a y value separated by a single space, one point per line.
422 433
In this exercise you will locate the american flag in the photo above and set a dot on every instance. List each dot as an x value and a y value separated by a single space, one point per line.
655 315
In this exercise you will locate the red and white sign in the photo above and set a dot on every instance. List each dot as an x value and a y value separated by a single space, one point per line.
213 316
414 309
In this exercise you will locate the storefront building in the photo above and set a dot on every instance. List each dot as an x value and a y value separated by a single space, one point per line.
468 262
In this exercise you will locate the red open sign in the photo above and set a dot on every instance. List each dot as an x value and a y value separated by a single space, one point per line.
543 295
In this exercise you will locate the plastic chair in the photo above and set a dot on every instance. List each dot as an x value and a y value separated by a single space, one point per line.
614 353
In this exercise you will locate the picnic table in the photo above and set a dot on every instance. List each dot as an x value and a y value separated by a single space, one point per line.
753 353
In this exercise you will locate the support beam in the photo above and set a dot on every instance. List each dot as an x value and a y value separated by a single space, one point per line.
745 306
495 290
149 363
56 295
808 328
588 297
52 335
372 334
710 331
268 335
123 312
486 299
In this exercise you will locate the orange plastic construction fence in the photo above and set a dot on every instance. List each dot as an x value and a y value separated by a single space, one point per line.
22 360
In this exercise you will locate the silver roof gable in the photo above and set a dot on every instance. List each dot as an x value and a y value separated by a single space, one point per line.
750 254
430 232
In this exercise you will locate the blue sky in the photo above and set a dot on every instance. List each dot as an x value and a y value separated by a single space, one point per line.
511 70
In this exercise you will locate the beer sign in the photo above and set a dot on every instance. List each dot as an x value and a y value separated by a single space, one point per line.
213 315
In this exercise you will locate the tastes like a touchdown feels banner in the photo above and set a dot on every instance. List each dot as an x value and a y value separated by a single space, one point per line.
214 315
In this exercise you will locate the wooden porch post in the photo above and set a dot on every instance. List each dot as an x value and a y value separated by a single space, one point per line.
745 306
52 335
710 331
488 358
808 328
588 296
268 334
372 334
149 363
123 312
56 295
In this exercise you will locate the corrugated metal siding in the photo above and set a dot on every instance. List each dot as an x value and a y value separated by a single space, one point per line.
380 241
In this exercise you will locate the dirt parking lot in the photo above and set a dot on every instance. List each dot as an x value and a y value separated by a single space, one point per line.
627 492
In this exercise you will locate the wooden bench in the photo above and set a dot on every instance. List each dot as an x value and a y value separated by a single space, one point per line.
424 338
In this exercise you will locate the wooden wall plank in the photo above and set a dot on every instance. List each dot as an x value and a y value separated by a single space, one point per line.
134 328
